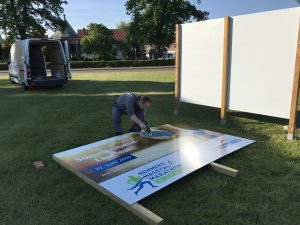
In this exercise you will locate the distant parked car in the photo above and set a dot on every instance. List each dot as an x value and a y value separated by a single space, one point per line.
169 55
27 63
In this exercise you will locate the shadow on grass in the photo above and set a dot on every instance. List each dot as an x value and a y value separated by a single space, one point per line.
79 107
93 87
51 120
260 126
79 96
238 123
262 118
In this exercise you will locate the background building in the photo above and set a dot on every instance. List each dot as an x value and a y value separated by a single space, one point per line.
73 40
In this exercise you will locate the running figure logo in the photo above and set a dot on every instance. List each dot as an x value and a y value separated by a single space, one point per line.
138 183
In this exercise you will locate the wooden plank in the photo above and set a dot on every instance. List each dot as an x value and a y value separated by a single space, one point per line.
177 68
225 70
224 169
294 100
169 127
148 216
138 210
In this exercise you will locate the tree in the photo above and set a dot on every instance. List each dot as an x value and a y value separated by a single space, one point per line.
133 45
155 20
6 44
30 18
99 41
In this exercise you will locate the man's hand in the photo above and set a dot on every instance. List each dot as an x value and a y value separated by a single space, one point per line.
139 122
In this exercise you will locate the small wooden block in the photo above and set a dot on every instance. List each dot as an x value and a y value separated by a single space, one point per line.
224 169
38 164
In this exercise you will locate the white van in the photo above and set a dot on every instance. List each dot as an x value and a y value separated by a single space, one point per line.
27 63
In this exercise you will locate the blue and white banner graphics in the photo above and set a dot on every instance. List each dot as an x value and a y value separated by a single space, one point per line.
132 167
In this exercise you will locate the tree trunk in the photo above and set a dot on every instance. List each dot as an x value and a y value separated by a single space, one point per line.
22 33
158 51
22 27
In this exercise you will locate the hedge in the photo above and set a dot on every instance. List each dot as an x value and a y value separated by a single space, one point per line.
3 66
122 63
115 63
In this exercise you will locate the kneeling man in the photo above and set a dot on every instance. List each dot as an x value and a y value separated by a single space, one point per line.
134 106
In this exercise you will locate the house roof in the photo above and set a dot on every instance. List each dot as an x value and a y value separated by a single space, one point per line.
67 33
119 35
172 47
82 32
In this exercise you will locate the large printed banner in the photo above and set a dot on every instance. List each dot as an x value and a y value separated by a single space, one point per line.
132 167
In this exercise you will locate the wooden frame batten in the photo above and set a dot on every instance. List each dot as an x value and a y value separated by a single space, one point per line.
295 92
177 68
224 97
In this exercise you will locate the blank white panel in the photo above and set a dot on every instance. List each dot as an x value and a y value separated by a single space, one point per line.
263 60
201 62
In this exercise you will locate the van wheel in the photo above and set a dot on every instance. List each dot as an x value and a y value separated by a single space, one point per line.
25 87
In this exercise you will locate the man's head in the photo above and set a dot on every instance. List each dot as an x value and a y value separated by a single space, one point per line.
144 102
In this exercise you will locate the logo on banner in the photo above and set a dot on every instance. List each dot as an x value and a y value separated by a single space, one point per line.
139 183
224 143
153 176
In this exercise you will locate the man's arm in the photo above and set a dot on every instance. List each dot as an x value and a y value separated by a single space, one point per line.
138 121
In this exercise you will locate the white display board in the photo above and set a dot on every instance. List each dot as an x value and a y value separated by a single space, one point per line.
201 62
263 61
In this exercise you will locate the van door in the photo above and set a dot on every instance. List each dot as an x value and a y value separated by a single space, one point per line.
12 67
25 58
67 58
16 65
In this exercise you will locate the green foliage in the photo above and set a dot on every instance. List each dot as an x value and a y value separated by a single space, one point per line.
5 48
135 41
7 42
3 66
30 18
153 21
99 41
122 46
122 63
114 63
125 46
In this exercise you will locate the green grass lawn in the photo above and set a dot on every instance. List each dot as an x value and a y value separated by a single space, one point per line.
38 123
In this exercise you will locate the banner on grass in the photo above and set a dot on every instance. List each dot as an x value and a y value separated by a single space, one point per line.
132 167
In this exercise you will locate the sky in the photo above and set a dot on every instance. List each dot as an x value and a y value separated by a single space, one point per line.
111 12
